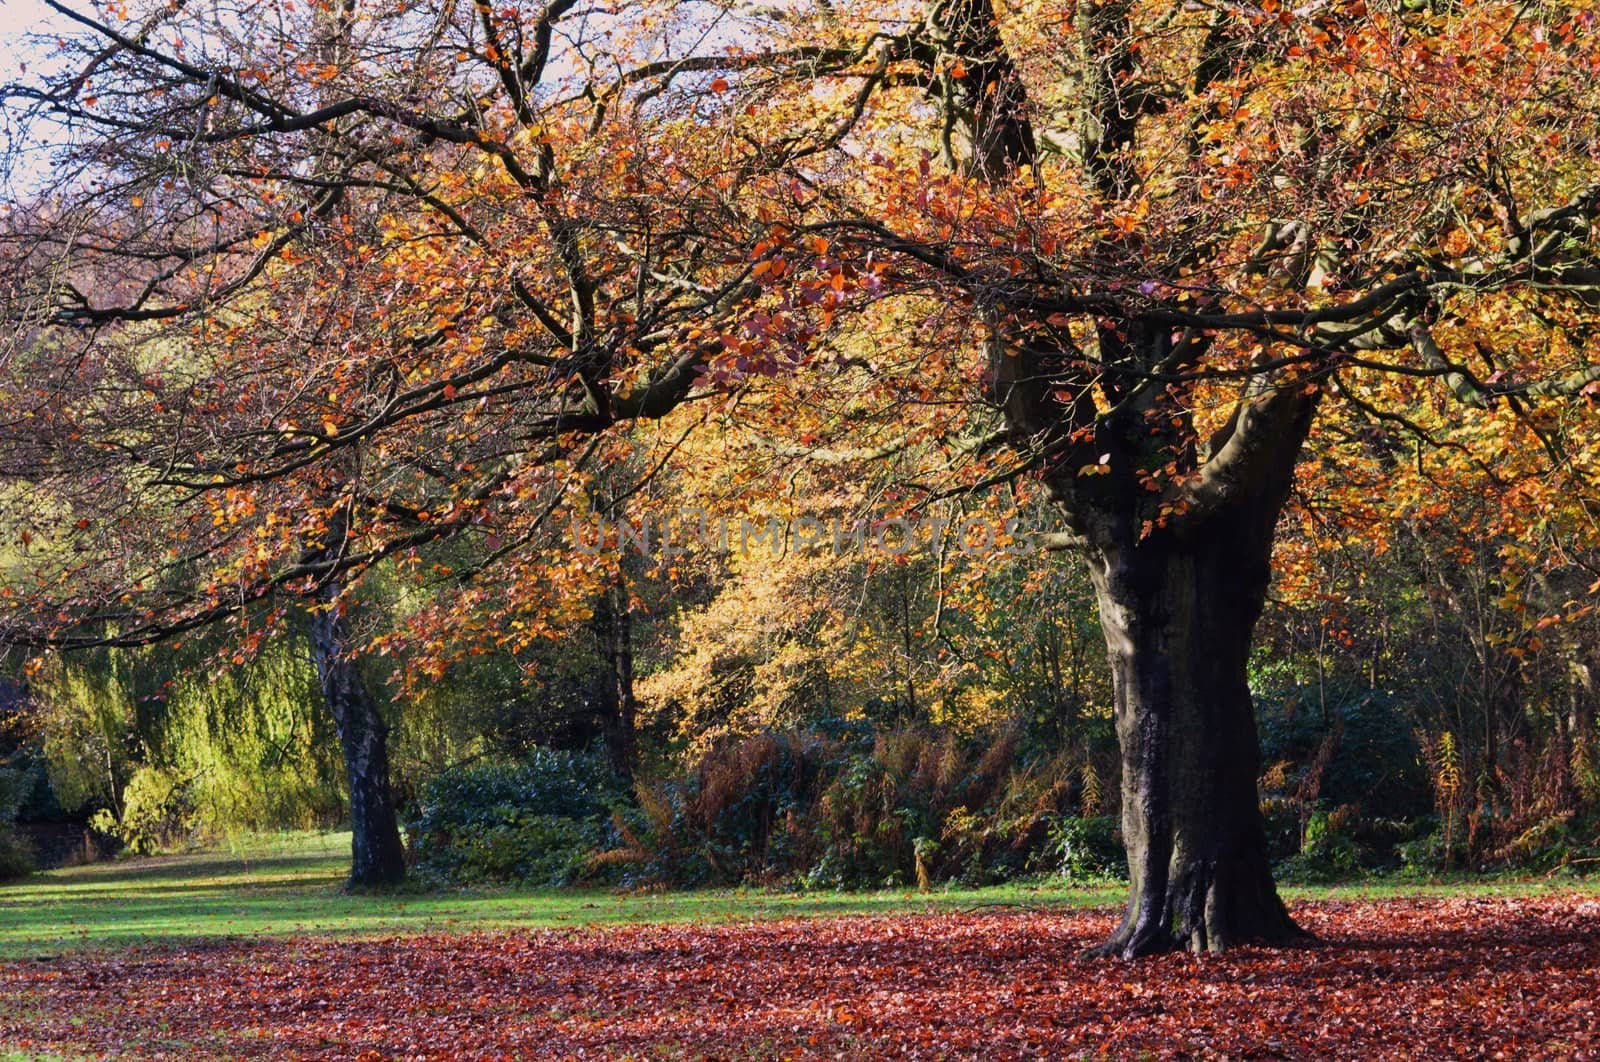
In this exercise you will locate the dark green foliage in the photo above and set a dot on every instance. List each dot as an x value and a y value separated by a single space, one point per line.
38 799
1374 763
1343 784
16 858
537 822
1087 848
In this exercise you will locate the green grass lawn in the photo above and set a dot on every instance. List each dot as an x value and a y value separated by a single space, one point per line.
290 884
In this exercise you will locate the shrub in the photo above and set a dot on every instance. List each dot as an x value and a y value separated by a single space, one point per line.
1330 852
741 814
157 812
16 857
1340 792
536 822
1086 848
1431 854
837 807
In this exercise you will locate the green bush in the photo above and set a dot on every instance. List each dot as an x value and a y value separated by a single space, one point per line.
1330 852
537 822
157 812
1429 854
522 846
16 857
1086 848
1340 792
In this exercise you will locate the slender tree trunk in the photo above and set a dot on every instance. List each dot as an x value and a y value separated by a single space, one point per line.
613 623
377 857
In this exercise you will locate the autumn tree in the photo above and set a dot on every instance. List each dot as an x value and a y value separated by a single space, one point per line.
1179 233
316 287
1184 230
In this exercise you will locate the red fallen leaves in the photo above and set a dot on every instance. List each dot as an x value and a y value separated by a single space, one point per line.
1401 979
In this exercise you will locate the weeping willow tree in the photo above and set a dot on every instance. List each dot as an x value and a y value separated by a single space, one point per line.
164 746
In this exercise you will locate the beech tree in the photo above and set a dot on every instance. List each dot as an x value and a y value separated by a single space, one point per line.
1263 203
346 279
298 291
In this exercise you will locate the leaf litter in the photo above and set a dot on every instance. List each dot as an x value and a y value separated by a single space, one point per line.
1400 979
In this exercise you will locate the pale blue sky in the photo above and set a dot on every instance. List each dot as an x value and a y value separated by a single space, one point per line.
18 17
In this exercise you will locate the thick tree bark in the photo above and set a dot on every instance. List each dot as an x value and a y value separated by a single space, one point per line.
1179 598
1181 571
377 857
1180 558
1178 619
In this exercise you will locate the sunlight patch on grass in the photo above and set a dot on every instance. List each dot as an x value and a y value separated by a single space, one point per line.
289 884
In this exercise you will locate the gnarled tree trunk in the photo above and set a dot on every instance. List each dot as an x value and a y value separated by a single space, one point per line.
1178 536
1177 615
1181 563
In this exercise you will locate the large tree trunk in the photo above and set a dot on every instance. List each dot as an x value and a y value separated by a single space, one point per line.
1178 612
1180 558
377 857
